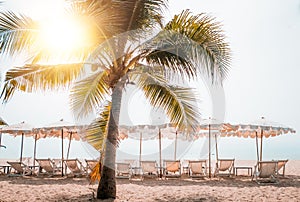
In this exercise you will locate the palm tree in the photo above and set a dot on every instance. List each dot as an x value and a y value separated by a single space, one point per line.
124 50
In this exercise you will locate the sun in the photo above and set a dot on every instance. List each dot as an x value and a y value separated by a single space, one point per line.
62 34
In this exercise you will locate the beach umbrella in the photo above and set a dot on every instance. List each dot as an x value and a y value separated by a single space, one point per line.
209 127
62 129
23 129
261 128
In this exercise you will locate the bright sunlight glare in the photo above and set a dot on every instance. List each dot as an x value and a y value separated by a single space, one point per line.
62 34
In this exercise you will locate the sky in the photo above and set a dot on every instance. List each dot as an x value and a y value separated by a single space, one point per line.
262 81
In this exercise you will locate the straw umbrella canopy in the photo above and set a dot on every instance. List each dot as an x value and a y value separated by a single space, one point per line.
62 129
22 129
209 127
261 128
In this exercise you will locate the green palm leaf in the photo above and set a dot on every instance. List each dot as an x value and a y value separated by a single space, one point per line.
211 48
141 14
188 44
89 93
179 103
97 131
39 77
17 32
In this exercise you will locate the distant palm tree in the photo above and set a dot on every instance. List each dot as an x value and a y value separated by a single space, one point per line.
120 52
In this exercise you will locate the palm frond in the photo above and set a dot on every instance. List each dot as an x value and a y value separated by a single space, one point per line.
188 44
96 132
17 32
210 48
95 175
141 14
168 50
89 93
34 77
179 103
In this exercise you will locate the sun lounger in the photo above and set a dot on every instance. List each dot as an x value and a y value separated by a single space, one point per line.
185 167
197 168
265 172
281 166
149 169
172 168
57 163
19 169
90 165
75 167
47 166
123 170
224 168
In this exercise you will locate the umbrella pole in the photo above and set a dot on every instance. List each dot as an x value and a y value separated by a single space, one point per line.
257 150
62 152
22 140
69 145
209 159
0 139
217 153
261 144
175 150
160 163
140 159
34 151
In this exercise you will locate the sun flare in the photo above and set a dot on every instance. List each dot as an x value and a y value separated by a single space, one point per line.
62 34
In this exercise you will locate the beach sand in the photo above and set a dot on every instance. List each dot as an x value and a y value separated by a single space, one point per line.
239 188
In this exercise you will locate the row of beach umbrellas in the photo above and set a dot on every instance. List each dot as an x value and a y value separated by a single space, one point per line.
61 129
259 129
209 128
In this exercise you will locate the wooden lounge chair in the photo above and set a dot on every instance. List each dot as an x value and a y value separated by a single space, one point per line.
123 170
265 172
197 168
90 165
57 163
172 169
75 167
19 169
185 167
224 168
149 169
47 166
281 166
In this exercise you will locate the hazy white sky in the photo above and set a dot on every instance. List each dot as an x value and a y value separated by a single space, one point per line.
263 80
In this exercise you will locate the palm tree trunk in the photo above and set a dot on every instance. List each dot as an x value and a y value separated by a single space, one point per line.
107 184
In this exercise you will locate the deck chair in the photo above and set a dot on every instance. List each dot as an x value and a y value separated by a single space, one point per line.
75 167
281 166
90 165
19 169
265 172
185 167
197 168
135 169
149 169
57 163
47 166
172 168
123 170
224 168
